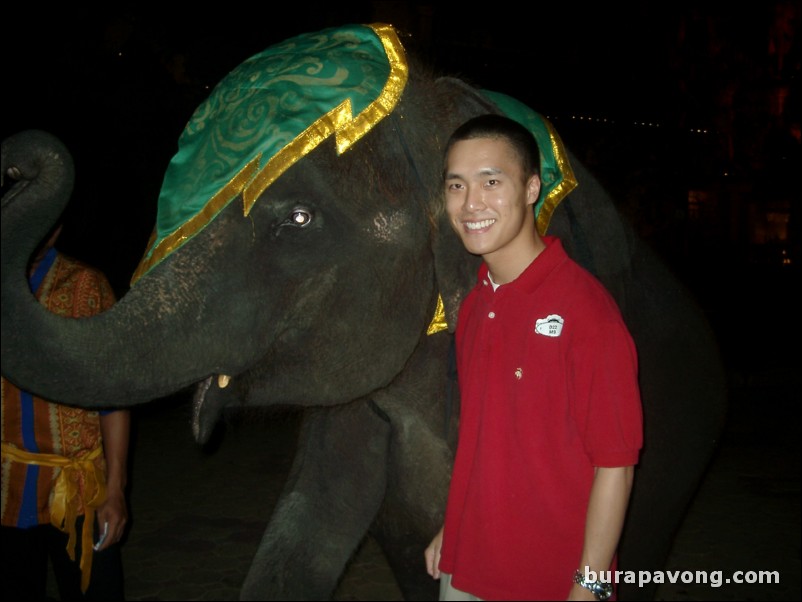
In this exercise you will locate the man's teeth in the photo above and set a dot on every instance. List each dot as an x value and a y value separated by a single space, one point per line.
479 225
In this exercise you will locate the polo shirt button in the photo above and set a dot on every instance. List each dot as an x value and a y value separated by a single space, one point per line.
491 315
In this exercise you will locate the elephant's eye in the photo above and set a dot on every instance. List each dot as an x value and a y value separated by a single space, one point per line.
298 218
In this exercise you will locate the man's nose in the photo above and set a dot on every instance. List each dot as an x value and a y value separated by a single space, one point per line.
474 200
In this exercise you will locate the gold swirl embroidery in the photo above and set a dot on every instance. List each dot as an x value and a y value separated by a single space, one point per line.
339 121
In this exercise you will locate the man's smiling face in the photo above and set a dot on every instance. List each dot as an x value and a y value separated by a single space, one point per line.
488 200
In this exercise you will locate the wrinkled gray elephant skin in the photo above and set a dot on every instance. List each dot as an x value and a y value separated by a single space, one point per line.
330 312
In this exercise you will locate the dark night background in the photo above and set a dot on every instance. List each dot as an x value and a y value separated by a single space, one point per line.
689 112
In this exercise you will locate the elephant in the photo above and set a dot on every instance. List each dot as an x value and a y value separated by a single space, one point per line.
311 276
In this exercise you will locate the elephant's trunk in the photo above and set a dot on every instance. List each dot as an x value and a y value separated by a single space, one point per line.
127 355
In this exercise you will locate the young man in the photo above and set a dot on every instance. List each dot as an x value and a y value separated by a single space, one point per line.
550 420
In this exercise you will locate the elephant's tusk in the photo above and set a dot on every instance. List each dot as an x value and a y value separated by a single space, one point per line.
223 380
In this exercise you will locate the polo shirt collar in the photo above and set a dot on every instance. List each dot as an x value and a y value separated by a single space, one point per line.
537 271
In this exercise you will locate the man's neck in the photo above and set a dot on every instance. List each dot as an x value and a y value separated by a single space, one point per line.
511 263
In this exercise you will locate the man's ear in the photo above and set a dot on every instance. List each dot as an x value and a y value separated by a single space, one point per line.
533 189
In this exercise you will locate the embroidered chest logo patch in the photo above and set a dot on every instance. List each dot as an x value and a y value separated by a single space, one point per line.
550 326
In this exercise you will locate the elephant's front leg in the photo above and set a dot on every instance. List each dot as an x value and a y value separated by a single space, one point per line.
334 490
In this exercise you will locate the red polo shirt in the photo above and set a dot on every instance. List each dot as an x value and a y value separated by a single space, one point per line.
549 390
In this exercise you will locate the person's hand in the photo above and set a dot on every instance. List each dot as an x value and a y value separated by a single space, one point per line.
113 512
432 555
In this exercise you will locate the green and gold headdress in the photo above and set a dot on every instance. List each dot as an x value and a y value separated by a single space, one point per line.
269 112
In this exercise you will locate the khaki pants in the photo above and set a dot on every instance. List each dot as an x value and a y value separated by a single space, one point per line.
449 593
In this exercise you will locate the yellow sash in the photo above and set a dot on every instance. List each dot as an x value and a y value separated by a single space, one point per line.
68 494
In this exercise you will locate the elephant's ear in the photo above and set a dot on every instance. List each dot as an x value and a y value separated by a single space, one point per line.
455 268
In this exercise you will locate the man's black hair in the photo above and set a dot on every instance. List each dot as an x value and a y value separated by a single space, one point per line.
498 126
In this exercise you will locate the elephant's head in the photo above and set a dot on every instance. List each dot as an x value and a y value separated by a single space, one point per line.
283 225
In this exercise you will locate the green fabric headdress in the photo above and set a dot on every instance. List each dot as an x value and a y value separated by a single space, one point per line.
269 112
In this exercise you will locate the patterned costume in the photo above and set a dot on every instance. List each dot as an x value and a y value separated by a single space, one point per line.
53 467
